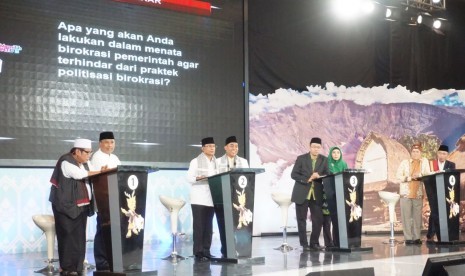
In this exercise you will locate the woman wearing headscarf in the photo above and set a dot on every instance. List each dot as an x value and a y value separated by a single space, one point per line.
335 164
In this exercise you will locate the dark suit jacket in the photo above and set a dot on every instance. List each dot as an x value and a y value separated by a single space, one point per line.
301 173
448 165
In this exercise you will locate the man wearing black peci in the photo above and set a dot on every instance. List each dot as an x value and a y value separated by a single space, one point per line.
308 193
437 165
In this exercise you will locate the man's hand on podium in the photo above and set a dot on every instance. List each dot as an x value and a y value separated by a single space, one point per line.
200 177
314 175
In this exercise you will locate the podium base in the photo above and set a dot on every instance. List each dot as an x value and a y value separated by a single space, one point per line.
392 242
128 273
174 258
350 249
449 242
251 260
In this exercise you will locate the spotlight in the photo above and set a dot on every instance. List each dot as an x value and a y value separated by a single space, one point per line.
436 1
419 19
437 23
388 13
367 7
392 14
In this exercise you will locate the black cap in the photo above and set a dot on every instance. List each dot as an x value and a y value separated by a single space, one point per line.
230 139
106 135
443 148
315 140
207 140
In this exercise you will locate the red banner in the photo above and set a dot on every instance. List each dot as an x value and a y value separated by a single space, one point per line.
187 6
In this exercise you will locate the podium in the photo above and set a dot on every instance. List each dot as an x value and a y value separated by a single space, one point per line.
233 198
344 194
443 191
120 196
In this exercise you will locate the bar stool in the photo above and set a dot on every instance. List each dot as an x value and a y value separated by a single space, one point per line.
173 205
390 199
284 201
47 224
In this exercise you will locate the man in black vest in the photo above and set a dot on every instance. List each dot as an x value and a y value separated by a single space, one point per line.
71 197
308 193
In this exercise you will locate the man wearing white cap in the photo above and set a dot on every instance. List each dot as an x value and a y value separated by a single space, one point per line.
71 197
105 159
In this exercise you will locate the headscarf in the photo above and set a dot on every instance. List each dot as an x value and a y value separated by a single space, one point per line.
336 166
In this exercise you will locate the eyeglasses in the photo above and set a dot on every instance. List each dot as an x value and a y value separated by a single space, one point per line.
86 151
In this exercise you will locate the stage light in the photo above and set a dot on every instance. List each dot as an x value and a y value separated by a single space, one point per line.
367 6
420 19
352 9
436 1
437 23
388 13
392 13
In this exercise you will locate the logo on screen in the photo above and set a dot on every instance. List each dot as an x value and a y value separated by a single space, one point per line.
12 49
452 180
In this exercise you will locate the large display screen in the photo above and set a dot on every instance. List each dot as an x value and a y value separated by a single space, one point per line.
160 74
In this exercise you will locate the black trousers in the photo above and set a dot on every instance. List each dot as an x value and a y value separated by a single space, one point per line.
433 221
301 211
327 230
202 222
219 213
71 238
100 253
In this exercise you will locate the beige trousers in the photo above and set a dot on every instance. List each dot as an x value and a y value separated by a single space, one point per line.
410 210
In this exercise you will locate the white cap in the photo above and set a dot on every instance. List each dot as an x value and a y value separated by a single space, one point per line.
83 143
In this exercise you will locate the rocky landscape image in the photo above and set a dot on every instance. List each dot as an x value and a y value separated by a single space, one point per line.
375 134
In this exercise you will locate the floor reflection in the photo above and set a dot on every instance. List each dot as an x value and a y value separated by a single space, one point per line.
399 259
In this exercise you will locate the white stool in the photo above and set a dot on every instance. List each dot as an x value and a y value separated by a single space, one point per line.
47 224
284 201
391 200
173 205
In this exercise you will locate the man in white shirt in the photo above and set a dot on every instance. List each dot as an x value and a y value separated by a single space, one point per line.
200 168
105 159
230 159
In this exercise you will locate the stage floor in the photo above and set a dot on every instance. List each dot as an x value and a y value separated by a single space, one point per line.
398 260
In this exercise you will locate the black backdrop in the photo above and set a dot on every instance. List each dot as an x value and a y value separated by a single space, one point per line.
298 43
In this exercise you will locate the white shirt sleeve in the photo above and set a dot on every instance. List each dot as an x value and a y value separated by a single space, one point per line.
192 172
72 171
245 163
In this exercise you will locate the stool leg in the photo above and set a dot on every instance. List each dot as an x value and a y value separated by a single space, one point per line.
284 247
392 232
392 241
174 246
174 257
49 269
